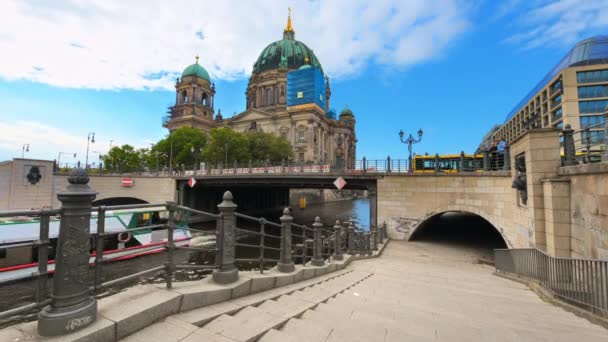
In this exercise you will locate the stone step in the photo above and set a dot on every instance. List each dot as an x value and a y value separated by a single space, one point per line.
247 325
305 331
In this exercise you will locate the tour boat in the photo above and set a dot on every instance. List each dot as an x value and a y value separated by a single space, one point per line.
123 241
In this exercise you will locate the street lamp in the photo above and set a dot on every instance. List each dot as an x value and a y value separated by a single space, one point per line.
90 139
59 157
410 141
24 148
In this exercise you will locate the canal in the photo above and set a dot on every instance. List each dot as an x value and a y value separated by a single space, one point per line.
22 292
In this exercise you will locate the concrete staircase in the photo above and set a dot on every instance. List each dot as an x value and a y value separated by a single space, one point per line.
250 317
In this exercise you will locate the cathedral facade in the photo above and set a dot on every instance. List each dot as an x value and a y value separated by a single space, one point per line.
288 94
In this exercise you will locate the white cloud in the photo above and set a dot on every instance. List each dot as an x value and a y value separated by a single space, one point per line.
145 44
561 22
45 142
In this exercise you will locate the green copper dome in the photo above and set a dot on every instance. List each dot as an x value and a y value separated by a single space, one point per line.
286 53
196 70
346 112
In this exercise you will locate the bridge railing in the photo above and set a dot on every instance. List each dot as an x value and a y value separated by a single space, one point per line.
586 145
580 282
80 250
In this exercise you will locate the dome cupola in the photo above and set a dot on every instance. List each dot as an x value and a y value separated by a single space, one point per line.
196 70
286 53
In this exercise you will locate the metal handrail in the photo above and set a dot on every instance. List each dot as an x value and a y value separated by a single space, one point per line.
582 282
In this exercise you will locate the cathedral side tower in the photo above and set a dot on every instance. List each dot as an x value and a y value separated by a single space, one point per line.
194 95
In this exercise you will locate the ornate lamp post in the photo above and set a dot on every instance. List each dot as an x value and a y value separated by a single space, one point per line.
410 141
90 139
24 148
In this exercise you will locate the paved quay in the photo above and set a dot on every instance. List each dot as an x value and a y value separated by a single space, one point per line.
415 291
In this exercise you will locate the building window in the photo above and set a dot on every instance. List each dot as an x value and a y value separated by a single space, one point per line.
300 94
555 87
284 135
559 125
592 76
592 121
302 135
595 137
592 91
301 157
3 253
598 106
557 100
556 114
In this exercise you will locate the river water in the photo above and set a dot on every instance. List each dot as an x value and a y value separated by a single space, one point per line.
22 292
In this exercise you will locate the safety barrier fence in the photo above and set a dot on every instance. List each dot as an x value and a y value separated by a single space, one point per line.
282 244
580 282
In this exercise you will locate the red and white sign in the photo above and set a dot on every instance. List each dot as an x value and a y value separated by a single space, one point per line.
191 182
127 182
340 183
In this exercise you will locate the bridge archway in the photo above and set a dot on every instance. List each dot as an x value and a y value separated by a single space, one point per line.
118 201
461 228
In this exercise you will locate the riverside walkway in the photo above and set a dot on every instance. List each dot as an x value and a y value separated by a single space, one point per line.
416 291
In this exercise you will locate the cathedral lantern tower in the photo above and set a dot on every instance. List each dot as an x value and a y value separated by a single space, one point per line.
194 94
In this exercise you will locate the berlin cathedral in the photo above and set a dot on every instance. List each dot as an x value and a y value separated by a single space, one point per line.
288 94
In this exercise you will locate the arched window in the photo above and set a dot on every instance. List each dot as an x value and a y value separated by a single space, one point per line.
205 100
184 96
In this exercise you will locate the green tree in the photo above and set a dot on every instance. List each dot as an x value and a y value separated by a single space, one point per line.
268 147
226 145
124 158
183 146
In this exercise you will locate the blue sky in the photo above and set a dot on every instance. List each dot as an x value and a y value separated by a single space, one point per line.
453 68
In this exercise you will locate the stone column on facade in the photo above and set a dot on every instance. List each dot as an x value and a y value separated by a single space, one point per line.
338 242
72 306
317 252
227 271
285 263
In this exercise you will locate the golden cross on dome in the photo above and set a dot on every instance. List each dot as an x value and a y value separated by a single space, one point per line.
289 28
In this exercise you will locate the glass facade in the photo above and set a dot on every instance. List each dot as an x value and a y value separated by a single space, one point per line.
588 107
596 137
592 76
556 114
592 51
592 121
592 91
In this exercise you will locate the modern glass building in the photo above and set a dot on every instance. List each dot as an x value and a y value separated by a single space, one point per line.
574 92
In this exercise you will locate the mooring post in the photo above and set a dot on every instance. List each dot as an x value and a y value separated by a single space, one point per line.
72 305
338 241
226 272
285 263
317 252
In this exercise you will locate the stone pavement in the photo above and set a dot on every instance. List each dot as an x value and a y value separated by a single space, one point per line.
432 292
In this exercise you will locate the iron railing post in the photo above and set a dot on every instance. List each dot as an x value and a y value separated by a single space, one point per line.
364 164
461 162
317 252
569 149
72 307
99 242
226 272
437 167
587 145
368 244
285 263
506 156
338 242
374 232
388 164
486 160
43 258
351 239
169 267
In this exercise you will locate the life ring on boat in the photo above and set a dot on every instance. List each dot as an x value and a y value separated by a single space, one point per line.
124 237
